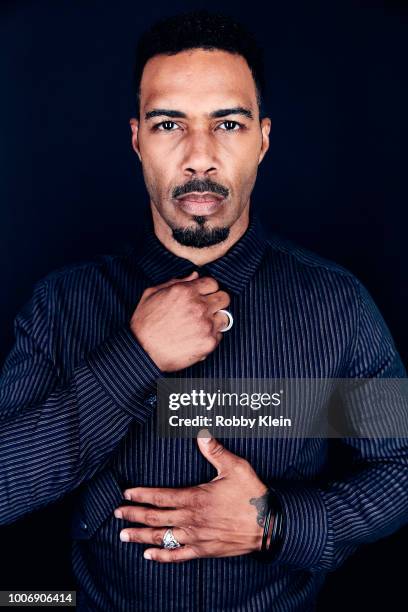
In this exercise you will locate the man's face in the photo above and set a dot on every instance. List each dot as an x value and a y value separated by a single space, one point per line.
200 141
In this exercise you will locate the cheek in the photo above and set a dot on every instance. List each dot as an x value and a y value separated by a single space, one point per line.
157 178
242 156
245 168
159 148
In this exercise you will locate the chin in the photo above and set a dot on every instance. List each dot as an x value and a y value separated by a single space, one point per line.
200 236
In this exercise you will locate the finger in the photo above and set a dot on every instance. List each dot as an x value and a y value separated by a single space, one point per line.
205 285
217 300
145 535
160 496
162 555
221 458
153 517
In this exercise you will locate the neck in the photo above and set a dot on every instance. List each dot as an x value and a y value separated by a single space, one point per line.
202 256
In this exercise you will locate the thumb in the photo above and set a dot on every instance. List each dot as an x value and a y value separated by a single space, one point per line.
192 276
221 458
173 281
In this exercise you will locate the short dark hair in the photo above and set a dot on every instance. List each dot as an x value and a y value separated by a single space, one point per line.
200 29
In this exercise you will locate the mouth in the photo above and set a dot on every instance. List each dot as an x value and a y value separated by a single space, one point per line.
200 203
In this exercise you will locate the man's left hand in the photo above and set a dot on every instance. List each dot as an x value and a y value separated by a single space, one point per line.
221 518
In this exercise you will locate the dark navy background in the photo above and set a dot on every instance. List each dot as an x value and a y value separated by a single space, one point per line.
334 180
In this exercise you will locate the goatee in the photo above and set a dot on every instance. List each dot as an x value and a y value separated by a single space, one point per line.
201 236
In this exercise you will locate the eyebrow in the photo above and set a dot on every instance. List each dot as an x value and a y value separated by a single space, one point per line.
222 112
236 110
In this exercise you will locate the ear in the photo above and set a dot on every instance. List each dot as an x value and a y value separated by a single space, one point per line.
265 129
134 126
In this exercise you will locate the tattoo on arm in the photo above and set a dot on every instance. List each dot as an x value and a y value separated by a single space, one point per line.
261 504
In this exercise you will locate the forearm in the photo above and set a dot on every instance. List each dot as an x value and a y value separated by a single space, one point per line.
323 526
49 448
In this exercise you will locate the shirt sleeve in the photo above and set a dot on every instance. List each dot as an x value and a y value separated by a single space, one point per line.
368 500
55 435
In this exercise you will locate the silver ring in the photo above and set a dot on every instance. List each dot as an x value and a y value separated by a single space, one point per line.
169 541
230 320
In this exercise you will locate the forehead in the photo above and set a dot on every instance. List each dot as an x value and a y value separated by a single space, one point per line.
198 78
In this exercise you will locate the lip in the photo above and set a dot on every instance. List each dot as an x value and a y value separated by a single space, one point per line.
196 203
205 196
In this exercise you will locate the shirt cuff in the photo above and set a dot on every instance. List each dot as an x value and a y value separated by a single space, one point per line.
306 537
127 373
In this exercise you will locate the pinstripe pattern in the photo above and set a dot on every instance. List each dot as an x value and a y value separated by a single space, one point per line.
78 411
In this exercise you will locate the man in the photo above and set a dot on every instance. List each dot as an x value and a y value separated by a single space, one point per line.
78 388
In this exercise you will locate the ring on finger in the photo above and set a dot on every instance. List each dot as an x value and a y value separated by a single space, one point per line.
169 540
230 320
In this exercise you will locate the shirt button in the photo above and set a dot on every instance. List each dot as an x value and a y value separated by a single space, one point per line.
83 525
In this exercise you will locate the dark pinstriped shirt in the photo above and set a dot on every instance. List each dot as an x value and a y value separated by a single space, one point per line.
77 399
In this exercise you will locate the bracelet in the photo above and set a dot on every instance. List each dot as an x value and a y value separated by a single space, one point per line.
266 529
275 508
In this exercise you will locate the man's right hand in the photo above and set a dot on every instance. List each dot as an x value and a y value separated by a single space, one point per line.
177 322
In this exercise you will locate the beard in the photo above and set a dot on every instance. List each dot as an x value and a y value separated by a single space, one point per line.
201 236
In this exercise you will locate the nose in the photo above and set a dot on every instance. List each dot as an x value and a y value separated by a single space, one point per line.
200 154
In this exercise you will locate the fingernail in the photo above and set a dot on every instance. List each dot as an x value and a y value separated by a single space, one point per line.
147 555
126 495
118 514
124 536
205 435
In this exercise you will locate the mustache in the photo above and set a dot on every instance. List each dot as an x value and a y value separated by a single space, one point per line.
200 187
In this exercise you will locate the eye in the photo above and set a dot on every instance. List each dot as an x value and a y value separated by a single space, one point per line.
166 126
230 126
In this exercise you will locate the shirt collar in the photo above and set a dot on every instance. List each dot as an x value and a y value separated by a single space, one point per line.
233 270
